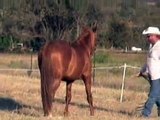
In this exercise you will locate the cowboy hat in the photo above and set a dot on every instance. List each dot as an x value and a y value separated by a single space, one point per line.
151 30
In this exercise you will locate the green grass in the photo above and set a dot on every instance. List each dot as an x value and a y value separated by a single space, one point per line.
113 58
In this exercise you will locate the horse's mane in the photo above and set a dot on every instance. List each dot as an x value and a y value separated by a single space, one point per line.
85 39
86 32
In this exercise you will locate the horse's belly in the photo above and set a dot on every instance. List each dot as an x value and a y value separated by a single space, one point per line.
66 78
74 71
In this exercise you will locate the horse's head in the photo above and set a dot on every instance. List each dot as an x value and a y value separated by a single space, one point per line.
88 38
93 38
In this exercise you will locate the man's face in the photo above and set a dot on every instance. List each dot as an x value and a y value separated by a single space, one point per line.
152 38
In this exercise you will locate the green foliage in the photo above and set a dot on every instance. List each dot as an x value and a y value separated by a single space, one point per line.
36 44
102 40
101 58
79 6
93 14
120 22
118 32
7 43
127 10
4 43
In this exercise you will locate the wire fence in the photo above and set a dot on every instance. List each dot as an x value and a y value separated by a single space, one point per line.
109 76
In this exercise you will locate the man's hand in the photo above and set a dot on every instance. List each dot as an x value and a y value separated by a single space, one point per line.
144 75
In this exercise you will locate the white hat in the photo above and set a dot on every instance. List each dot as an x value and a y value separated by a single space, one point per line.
151 30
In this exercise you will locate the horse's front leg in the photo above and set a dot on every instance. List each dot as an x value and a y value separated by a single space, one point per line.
68 96
87 82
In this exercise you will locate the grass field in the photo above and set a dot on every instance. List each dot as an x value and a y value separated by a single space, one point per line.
20 95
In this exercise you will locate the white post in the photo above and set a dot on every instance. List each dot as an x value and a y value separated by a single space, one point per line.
122 88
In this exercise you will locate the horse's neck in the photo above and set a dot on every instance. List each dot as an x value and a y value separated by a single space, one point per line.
85 41
83 45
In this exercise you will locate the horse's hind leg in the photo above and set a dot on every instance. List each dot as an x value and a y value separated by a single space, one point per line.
48 96
87 82
68 97
46 99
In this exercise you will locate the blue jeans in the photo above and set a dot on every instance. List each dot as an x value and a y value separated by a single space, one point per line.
153 97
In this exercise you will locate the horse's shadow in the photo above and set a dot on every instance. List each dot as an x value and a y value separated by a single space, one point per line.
81 105
9 104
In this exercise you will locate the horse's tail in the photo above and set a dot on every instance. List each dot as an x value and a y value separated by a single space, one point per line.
45 72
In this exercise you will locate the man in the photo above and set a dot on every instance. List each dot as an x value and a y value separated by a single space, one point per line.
151 70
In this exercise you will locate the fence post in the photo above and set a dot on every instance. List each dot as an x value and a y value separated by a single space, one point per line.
31 66
122 88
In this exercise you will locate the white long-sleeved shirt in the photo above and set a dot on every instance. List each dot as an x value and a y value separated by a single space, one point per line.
152 67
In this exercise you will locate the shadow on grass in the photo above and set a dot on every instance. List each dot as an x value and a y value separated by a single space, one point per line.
9 104
80 105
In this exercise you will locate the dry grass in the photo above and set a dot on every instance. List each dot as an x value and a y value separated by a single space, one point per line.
20 100
20 95
17 60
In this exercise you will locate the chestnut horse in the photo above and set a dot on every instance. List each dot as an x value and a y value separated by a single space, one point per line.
59 60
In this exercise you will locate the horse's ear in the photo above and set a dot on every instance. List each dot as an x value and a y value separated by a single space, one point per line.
94 27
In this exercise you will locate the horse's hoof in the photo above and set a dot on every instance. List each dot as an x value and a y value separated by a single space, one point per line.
92 114
66 114
50 116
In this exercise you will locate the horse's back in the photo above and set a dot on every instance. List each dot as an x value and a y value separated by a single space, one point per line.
57 55
54 47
